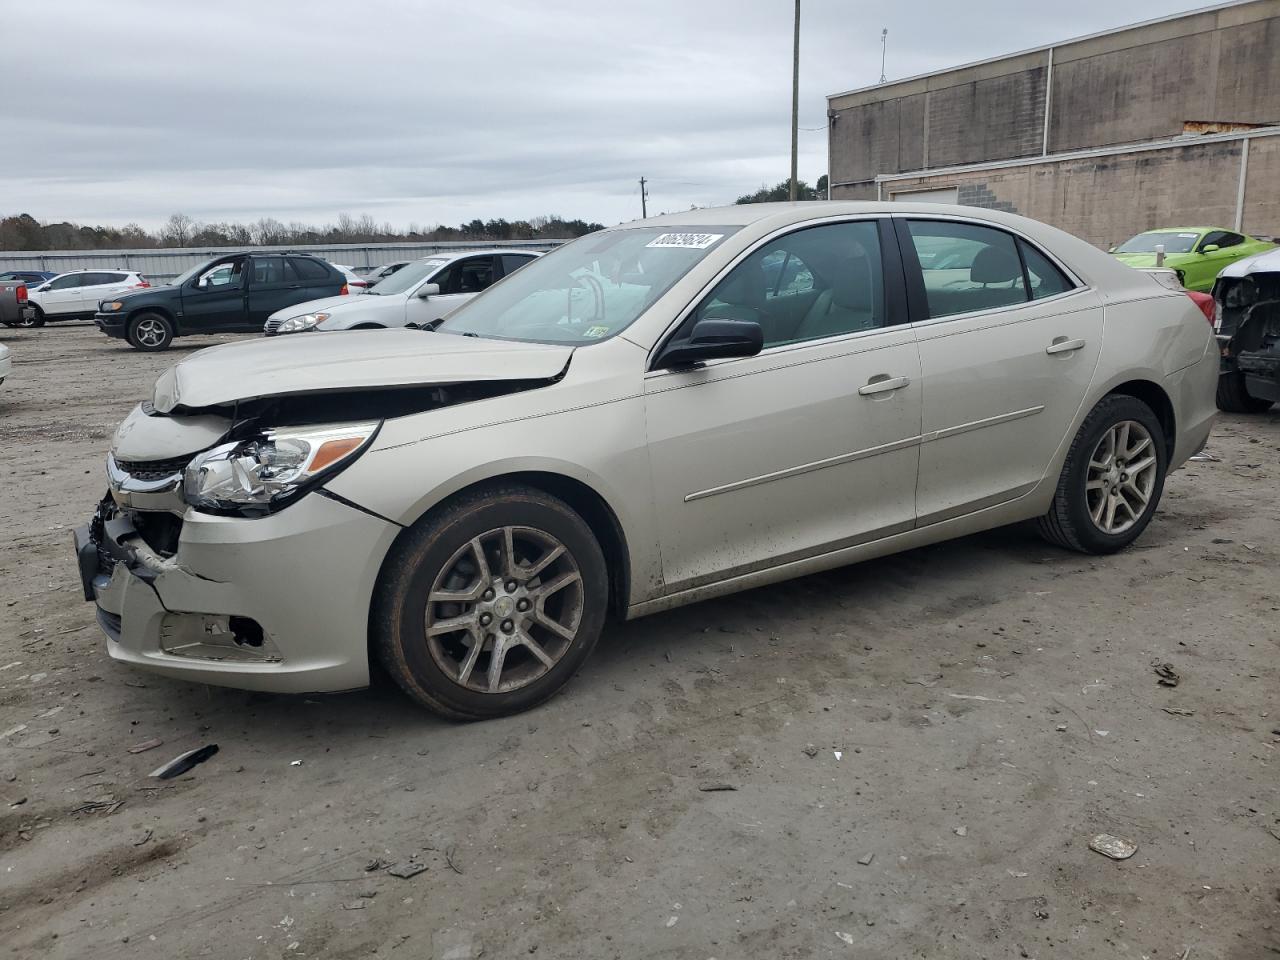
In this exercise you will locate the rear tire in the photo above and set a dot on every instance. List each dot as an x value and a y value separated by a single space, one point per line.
150 332
32 320
518 576
1233 396
1108 491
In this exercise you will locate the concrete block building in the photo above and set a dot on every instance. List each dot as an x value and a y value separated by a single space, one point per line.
1165 123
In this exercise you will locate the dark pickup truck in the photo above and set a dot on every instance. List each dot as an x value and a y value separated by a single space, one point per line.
234 293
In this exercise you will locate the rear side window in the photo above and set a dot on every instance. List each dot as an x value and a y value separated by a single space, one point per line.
1046 279
966 267
268 270
512 263
309 270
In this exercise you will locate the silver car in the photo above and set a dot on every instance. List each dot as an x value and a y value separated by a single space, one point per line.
669 410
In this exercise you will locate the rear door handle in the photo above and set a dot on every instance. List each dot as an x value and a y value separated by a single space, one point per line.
1063 345
883 386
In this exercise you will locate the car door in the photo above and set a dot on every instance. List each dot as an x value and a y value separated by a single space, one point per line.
315 280
273 285
1008 344
1204 269
214 301
62 295
807 447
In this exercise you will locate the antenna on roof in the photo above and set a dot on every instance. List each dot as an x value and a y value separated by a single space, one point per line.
884 43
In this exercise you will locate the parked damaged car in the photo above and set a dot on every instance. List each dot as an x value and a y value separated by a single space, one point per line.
666 411
1247 320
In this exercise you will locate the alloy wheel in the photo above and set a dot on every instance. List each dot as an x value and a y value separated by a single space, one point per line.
1121 477
504 609
150 332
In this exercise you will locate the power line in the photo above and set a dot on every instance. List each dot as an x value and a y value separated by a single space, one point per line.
644 196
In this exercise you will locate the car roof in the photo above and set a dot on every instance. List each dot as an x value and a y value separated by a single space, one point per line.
451 255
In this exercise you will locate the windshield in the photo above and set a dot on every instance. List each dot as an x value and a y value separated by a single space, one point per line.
586 290
1175 241
407 277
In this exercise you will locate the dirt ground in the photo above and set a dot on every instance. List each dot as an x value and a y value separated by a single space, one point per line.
905 758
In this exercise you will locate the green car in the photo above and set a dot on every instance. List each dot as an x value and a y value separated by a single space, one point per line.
1196 253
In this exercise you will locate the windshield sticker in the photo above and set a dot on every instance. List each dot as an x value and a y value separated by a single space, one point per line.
434 263
689 241
1189 236
591 333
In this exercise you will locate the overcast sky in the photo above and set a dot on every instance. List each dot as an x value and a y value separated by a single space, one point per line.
430 112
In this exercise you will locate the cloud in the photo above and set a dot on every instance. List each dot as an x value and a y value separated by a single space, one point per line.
430 112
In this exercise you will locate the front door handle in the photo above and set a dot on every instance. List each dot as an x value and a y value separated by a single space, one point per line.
1063 345
875 386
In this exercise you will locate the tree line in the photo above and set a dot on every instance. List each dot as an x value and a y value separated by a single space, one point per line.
782 192
24 232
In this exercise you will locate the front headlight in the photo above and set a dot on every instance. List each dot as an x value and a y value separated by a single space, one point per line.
265 472
112 305
304 322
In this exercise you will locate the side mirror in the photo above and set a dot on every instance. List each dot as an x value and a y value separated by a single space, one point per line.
428 290
1209 248
1112 250
713 339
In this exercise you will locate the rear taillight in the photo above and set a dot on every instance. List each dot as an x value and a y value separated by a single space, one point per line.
344 291
22 293
1204 301
142 283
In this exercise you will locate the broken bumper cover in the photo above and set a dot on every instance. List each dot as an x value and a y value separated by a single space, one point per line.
277 603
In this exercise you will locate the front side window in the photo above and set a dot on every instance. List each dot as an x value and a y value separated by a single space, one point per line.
66 282
467 276
966 267
817 282
587 290
222 276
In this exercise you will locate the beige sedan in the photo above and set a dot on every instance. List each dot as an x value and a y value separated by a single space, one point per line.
673 409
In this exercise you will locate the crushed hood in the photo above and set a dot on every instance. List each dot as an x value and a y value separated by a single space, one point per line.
1268 262
321 362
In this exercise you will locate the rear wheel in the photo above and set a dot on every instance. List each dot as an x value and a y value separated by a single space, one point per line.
33 319
490 605
1234 397
1112 479
150 332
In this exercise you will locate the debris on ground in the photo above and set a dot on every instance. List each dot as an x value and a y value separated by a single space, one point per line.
846 937
866 859
184 762
146 745
1204 456
1113 847
810 750
1168 676
145 837
716 787
962 831
1178 711
410 868
106 805
377 863
925 681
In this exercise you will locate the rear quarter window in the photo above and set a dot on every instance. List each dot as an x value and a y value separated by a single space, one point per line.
311 270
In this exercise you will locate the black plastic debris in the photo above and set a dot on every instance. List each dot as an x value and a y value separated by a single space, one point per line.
184 762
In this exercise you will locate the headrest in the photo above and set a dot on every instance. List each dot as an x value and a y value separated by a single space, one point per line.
995 265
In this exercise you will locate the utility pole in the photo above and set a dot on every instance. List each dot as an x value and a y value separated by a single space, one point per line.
795 108
884 43
644 209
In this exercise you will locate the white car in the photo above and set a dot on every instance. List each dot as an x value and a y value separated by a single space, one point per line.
421 292
648 416
6 363
75 295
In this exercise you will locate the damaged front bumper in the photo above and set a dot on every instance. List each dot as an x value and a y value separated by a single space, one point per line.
277 603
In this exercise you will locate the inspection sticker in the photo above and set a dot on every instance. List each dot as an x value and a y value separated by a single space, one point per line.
591 333
690 241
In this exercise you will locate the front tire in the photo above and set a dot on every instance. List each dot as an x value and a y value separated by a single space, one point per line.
150 332
1112 479
489 605
1234 397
